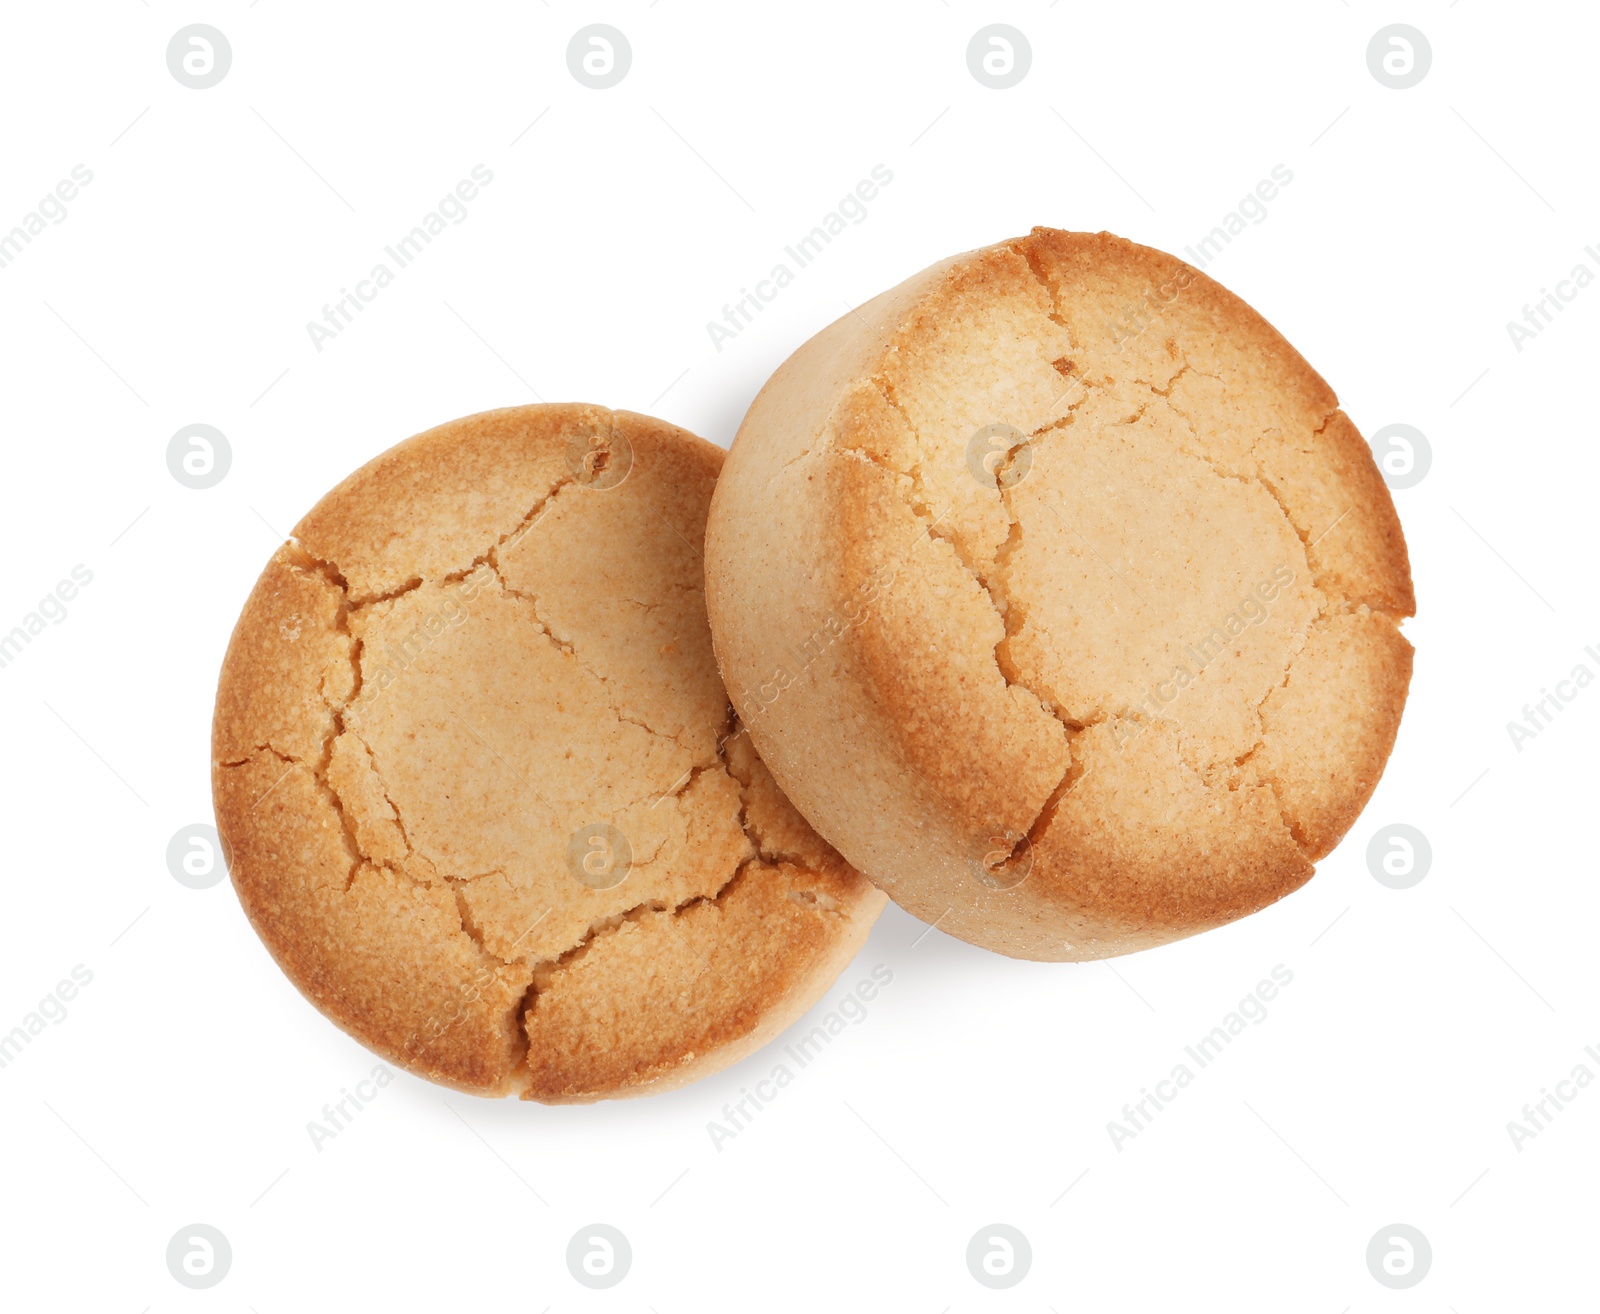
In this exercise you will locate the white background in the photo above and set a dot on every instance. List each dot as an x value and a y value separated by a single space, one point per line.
977 1090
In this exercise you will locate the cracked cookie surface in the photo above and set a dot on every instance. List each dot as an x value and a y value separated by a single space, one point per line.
482 792
1078 566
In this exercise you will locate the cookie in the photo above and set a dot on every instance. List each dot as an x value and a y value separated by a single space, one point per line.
1060 596
482 793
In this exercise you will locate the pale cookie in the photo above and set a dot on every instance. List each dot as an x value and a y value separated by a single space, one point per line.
1060 596
483 795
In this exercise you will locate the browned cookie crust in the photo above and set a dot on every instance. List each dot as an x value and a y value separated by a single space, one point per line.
476 772
1061 597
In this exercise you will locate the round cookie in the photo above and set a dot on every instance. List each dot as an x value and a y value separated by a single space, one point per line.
482 793
1061 597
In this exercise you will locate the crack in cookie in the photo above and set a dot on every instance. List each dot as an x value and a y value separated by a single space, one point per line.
1152 667
479 649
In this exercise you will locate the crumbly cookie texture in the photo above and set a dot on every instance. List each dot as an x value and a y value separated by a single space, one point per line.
482 792
1060 595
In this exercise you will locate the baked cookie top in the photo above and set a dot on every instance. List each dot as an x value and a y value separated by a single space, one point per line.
482 792
1130 639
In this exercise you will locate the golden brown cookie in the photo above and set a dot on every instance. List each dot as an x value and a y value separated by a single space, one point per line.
483 795
1061 597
